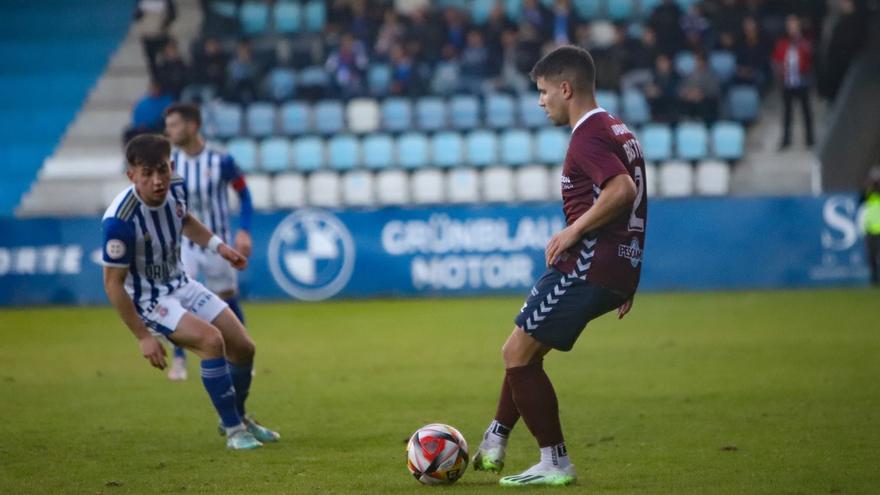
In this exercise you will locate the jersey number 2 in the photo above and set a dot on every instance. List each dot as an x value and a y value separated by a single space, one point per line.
635 223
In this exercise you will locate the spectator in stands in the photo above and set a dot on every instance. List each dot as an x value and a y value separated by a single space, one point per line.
172 74
148 113
665 20
539 17
563 23
496 25
846 40
390 35
640 62
402 71
428 30
242 73
209 65
528 48
726 15
662 91
612 60
700 90
695 27
508 75
474 63
456 29
793 57
870 202
347 66
752 56
445 79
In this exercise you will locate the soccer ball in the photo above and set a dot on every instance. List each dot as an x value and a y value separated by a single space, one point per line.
437 454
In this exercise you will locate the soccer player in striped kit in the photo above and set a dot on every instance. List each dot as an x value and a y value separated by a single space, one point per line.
144 229
593 265
208 173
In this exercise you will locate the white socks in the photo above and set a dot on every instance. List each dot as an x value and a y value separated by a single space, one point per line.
555 456
496 434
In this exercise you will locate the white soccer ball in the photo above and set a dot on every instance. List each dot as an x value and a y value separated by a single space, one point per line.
437 454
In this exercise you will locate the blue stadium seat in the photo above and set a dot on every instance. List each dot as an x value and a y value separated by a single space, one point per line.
295 118
482 148
447 149
260 119
329 117
609 101
313 77
743 103
396 114
551 144
646 7
378 151
227 120
530 113
480 10
588 9
412 150
656 142
499 111
281 84
343 152
275 154
516 147
636 110
685 4
308 153
288 17
685 63
691 141
254 17
464 112
244 151
621 10
379 79
723 64
728 140
430 113
513 9
315 14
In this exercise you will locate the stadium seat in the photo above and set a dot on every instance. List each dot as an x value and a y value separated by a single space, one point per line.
464 112
260 187
609 101
343 152
308 153
621 10
260 118
533 183
392 187
445 78
412 150
329 118
357 188
289 191
287 16
227 119
656 140
691 141
315 14
497 185
379 79
728 140
676 179
530 113
743 103
396 115
712 178
430 113
635 108
685 4
275 154
463 185
428 186
447 149
651 179
244 151
378 151
513 9
481 148
362 115
281 84
588 9
480 10
723 64
254 17
516 147
295 118
646 7
499 111
685 63
313 77
324 189
550 145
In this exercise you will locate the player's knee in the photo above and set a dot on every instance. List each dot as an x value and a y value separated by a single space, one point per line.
212 342
245 350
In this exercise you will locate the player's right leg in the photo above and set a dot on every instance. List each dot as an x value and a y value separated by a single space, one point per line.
192 257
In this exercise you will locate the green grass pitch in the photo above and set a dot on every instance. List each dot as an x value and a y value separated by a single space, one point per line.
711 393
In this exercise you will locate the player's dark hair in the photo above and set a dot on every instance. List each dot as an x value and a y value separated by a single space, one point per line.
187 112
567 63
147 150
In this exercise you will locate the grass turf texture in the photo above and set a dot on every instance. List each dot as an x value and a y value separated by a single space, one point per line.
770 392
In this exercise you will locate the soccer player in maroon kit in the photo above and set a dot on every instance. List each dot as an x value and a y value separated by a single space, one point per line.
593 264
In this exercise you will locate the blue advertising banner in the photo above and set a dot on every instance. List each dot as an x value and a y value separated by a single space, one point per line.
310 254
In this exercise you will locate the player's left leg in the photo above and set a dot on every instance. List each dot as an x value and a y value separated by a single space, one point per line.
192 257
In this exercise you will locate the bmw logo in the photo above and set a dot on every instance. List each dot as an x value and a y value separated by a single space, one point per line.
311 255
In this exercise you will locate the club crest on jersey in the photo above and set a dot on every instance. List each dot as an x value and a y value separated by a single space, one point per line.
632 252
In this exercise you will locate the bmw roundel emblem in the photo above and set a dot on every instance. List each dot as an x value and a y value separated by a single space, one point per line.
311 255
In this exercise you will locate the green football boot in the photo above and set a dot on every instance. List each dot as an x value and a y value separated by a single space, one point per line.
541 475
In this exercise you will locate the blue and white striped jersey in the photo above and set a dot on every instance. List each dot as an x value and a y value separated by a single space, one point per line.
147 241
207 178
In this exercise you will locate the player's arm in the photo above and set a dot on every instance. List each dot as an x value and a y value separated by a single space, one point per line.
114 286
196 231
232 174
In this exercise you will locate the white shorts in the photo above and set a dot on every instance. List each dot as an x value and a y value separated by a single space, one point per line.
162 318
202 264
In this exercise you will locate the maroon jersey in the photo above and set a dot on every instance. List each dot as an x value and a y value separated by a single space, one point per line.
602 147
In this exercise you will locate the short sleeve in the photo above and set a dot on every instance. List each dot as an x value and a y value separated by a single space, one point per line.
229 170
118 248
596 157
